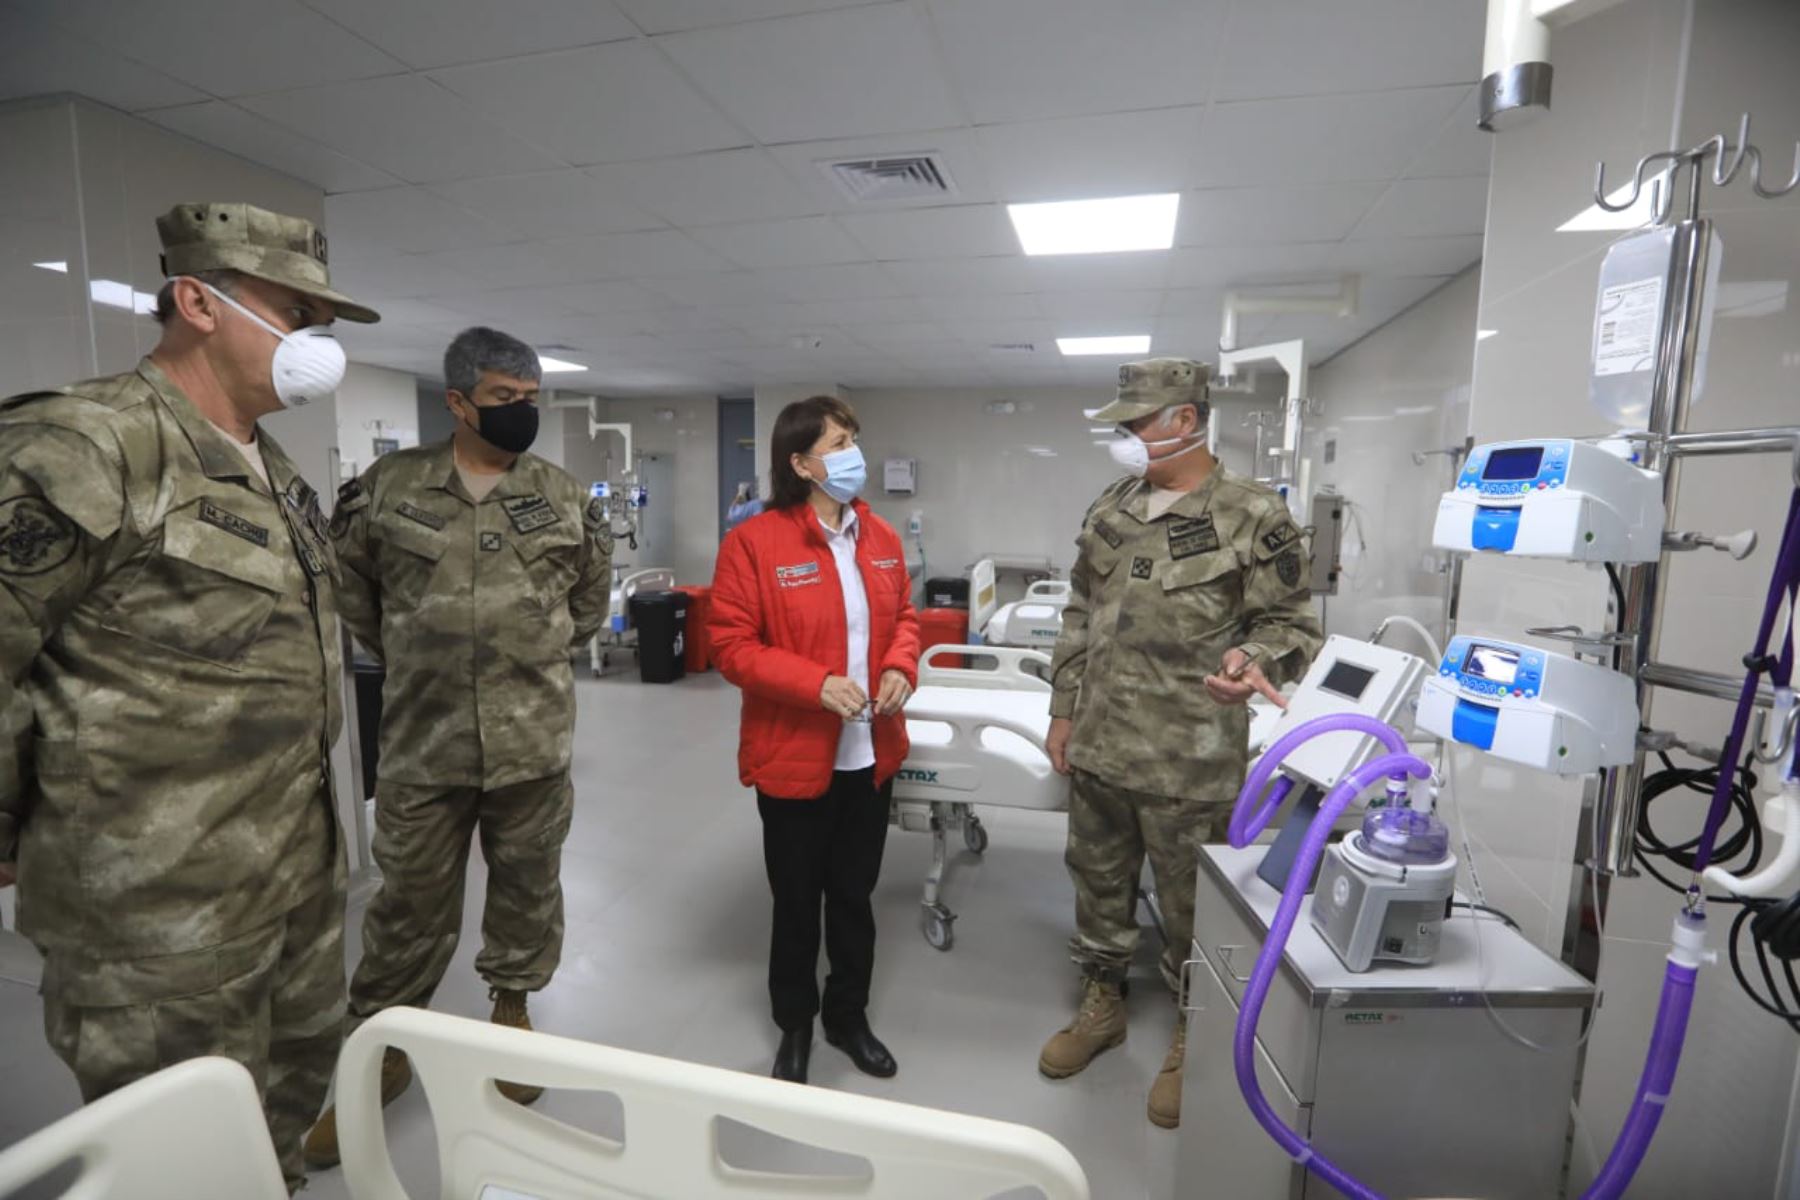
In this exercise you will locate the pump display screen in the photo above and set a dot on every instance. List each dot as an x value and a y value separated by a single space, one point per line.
1518 462
1491 662
1347 680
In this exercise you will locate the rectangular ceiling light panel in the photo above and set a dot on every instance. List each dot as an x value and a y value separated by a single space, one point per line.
1097 226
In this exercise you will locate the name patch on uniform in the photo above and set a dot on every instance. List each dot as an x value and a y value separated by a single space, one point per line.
490 541
1193 536
1277 538
1141 568
413 512
34 537
1108 534
529 512
799 575
230 522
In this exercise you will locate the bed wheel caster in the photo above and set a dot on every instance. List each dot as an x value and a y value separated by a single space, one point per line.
975 836
937 924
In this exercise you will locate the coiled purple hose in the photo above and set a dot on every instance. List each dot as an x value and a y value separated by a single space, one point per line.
1252 814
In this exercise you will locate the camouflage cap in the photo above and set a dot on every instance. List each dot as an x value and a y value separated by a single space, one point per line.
1152 385
267 245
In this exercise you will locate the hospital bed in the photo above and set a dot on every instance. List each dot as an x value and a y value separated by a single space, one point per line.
978 733
195 1131
618 620
1034 622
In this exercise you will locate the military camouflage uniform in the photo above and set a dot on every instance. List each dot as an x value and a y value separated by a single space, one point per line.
475 609
1155 604
168 619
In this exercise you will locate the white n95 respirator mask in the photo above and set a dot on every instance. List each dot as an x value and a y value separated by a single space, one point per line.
308 363
1132 452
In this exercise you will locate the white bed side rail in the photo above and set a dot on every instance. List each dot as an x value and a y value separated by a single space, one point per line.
671 1112
192 1130
984 595
650 579
1049 589
1007 672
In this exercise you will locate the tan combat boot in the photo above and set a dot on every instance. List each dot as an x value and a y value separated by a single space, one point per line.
322 1143
1098 1025
1165 1093
509 1010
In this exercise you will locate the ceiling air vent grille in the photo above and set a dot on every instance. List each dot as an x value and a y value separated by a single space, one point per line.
896 177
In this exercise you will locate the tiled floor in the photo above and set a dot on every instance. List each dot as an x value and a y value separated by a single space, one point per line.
666 952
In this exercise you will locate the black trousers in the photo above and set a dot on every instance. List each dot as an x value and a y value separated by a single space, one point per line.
824 853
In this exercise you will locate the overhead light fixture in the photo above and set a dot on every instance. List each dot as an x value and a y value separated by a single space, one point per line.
557 366
1482 335
114 294
1097 226
1133 343
1594 219
61 268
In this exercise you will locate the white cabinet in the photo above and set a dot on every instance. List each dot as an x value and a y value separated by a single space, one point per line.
1401 1075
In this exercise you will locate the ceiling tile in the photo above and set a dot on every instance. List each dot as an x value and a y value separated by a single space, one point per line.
607 297
957 152
1460 148
1221 216
371 275
833 281
671 16
897 310
1183 303
1099 272
38 59
548 204
1220 265
710 189
800 242
1408 255
224 47
405 125
898 333
439 33
403 220
716 291
522 264
1018 60
1325 139
826 75
657 254
966 230
953 276
601 104
230 128
1077 158
1303 47
1429 208
981 307
1102 306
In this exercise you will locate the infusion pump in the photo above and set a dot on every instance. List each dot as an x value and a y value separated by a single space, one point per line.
1554 498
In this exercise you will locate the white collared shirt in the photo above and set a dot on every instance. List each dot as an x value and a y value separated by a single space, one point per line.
856 747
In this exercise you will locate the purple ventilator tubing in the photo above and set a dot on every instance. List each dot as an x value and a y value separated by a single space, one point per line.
1253 813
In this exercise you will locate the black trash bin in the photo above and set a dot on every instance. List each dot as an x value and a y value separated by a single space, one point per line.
946 592
661 622
369 676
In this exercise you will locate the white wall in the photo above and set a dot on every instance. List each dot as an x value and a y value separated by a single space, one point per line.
1620 82
681 429
1401 391
374 402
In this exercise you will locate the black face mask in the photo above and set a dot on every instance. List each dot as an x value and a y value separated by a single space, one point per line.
509 427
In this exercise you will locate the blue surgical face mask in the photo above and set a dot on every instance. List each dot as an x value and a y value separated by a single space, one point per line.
845 473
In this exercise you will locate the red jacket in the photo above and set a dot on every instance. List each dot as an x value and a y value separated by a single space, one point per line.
777 629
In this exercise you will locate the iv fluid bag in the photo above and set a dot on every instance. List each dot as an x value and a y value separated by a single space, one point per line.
1631 312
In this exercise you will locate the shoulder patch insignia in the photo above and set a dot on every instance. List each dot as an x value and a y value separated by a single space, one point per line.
1275 539
529 513
34 537
412 512
231 523
594 516
1141 568
1288 567
352 496
299 494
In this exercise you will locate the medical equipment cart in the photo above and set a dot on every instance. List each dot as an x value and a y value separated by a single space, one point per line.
1400 1074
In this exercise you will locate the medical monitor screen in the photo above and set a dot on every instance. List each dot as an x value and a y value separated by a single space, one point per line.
1347 680
1520 462
1491 662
